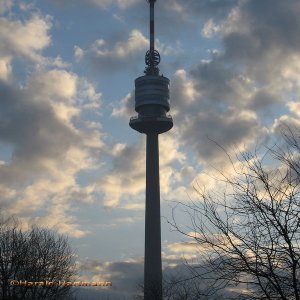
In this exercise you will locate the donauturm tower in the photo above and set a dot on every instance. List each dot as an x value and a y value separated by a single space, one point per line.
152 105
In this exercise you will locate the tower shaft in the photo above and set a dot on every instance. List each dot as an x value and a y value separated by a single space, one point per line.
153 266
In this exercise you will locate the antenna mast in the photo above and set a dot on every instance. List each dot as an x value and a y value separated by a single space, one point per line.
152 58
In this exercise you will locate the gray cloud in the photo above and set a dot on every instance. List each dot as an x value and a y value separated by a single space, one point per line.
5 5
213 80
261 37
123 4
272 26
33 130
235 90
126 107
207 8
231 130
114 55
124 275
127 277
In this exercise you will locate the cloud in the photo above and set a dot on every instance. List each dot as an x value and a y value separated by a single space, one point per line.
209 29
102 4
56 85
5 5
123 4
126 176
262 31
32 128
125 276
24 38
183 92
125 107
114 55
49 145
206 8
59 218
126 179
261 45
181 248
134 206
285 120
294 107
231 97
207 105
231 129
5 68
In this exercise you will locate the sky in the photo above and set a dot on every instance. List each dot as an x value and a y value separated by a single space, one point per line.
68 158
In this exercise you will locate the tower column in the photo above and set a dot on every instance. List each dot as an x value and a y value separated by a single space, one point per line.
153 266
152 97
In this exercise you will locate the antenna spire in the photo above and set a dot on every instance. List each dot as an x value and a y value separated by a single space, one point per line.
152 58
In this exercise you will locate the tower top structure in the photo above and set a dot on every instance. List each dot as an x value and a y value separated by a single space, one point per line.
152 92
152 58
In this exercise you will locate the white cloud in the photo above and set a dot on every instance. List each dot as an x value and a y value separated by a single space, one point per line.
169 150
209 29
121 50
184 91
126 179
133 206
285 120
294 107
78 53
54 85
50 145
25 38
60 219
5 68
127 175
182 248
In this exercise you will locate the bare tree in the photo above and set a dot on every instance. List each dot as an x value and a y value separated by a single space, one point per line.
36 255
248 232
178 288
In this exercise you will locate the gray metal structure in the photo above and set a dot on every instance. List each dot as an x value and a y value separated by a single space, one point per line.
152 104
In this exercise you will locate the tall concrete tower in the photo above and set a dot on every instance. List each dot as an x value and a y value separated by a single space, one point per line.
152 104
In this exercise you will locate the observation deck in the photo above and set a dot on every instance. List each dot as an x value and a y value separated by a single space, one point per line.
152 103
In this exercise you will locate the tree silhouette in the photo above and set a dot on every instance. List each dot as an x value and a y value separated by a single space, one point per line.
248 228
35 255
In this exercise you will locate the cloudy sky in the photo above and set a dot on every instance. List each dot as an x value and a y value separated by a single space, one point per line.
68 158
